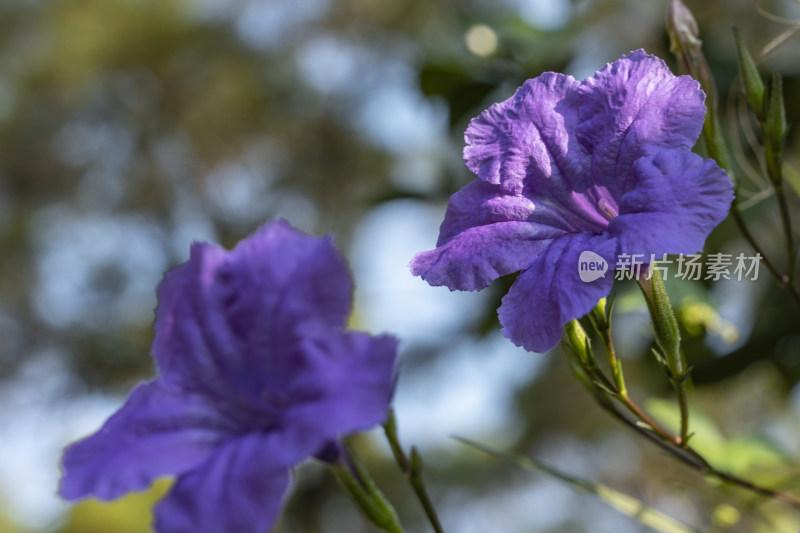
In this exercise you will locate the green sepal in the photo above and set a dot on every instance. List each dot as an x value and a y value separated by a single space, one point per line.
599 315
580 373
662 361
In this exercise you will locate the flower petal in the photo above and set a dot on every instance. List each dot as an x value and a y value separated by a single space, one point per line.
346 386
528 134
633 102
486 233
179 348
480 204
238 489
678 199
550 292
305 276
160 430
473 259
223 316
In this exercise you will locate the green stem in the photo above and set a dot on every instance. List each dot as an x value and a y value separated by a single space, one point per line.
787 227
783 279
355 479
690 457
686 44
603 325
597 383
773 129
412 469
677 446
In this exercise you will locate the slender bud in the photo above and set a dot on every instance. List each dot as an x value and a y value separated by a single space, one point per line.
685 44
687 47
665 324
775 123
752 85
578 341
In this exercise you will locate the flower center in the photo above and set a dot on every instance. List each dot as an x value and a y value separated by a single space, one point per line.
606 209
275 399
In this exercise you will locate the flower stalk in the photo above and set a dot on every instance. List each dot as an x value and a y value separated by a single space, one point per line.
599 384
601 316
642 423
412 469
774 130
356 481
686 45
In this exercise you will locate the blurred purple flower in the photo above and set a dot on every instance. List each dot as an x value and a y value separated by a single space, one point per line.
565 167
256 374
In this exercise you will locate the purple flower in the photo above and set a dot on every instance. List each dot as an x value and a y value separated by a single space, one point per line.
564 167
256 373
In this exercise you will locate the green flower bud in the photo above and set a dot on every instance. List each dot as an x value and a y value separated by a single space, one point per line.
752 85
578 341
775 127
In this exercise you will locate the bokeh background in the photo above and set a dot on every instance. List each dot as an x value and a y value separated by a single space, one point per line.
130 128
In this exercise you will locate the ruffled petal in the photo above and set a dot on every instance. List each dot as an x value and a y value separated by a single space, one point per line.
526 135
305 277
238 489
474 258
346 386
184 353
160 430
227 320
481 204
633 102
551 293
678 199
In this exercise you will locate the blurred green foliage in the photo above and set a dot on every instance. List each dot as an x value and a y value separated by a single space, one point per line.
129 514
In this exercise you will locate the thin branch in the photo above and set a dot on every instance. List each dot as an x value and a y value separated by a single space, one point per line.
690 457
412 469
777 41
783 279
774 18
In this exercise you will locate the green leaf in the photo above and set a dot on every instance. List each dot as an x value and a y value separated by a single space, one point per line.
129 514
707 439
739 456
748 453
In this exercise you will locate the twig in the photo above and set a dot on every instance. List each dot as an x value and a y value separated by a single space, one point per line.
412 469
